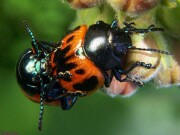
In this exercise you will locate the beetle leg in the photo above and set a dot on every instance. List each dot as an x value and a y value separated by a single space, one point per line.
67 76
149 29
46 46
66 98
137 64
68 101
135 80
129 28
118 76
129 25
118 73
64 75
68 93
108 78
77 93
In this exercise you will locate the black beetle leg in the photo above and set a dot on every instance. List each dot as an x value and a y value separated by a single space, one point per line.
135 80
52 90
68 76
129 28
118 73
46 46
108 78
77 93
118 76
68 101
66 98
138 64
149 29
129 25
64 75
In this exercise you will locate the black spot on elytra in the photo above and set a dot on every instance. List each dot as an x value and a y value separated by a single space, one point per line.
70 39
87 85
70 66
61 60
63 52
80 71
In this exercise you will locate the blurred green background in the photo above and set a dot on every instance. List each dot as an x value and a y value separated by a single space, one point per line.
148 112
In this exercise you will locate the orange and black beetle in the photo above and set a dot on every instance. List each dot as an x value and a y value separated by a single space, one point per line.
58 74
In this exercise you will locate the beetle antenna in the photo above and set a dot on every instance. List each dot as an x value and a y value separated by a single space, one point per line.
42 94
150 50
41 110
34 43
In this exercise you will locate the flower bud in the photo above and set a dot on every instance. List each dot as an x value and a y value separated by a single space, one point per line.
124 89
147 57
84 3
170 71
170 75
133 6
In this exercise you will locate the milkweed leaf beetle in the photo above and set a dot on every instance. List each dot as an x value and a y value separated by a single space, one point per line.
59 73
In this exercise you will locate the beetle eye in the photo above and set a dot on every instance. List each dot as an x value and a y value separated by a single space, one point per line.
37 67
43 65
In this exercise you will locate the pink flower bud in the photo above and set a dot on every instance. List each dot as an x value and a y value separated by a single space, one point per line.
133 6
84 3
